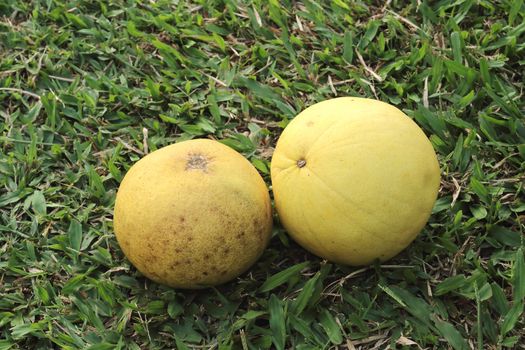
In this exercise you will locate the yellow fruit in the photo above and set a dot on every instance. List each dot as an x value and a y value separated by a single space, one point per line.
354 180
193 214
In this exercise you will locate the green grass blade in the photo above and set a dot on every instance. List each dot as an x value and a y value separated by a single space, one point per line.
511 318
282 277
518 276
451 334
277 322
302 300
332 329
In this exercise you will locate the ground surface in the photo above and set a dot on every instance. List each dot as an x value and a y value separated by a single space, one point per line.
88 87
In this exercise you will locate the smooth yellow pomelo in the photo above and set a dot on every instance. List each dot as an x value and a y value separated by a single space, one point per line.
193 214
354 180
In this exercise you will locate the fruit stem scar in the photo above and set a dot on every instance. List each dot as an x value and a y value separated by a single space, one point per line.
301 163
197 161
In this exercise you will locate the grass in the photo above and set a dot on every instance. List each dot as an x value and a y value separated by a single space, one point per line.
88 87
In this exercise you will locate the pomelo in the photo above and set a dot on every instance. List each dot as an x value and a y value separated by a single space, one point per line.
354 180
193 214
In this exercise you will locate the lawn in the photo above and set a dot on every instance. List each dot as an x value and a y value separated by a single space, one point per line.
88 87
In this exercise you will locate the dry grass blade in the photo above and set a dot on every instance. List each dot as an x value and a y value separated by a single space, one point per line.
25 92
367 68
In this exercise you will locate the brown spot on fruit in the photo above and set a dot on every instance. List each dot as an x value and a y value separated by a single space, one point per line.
226 250
150 258
197 161
207 256
178 250
205 273
182 219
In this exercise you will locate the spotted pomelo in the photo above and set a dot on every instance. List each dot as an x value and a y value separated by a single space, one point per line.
193 214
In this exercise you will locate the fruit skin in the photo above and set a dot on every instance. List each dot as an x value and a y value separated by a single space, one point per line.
354 180
193 214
